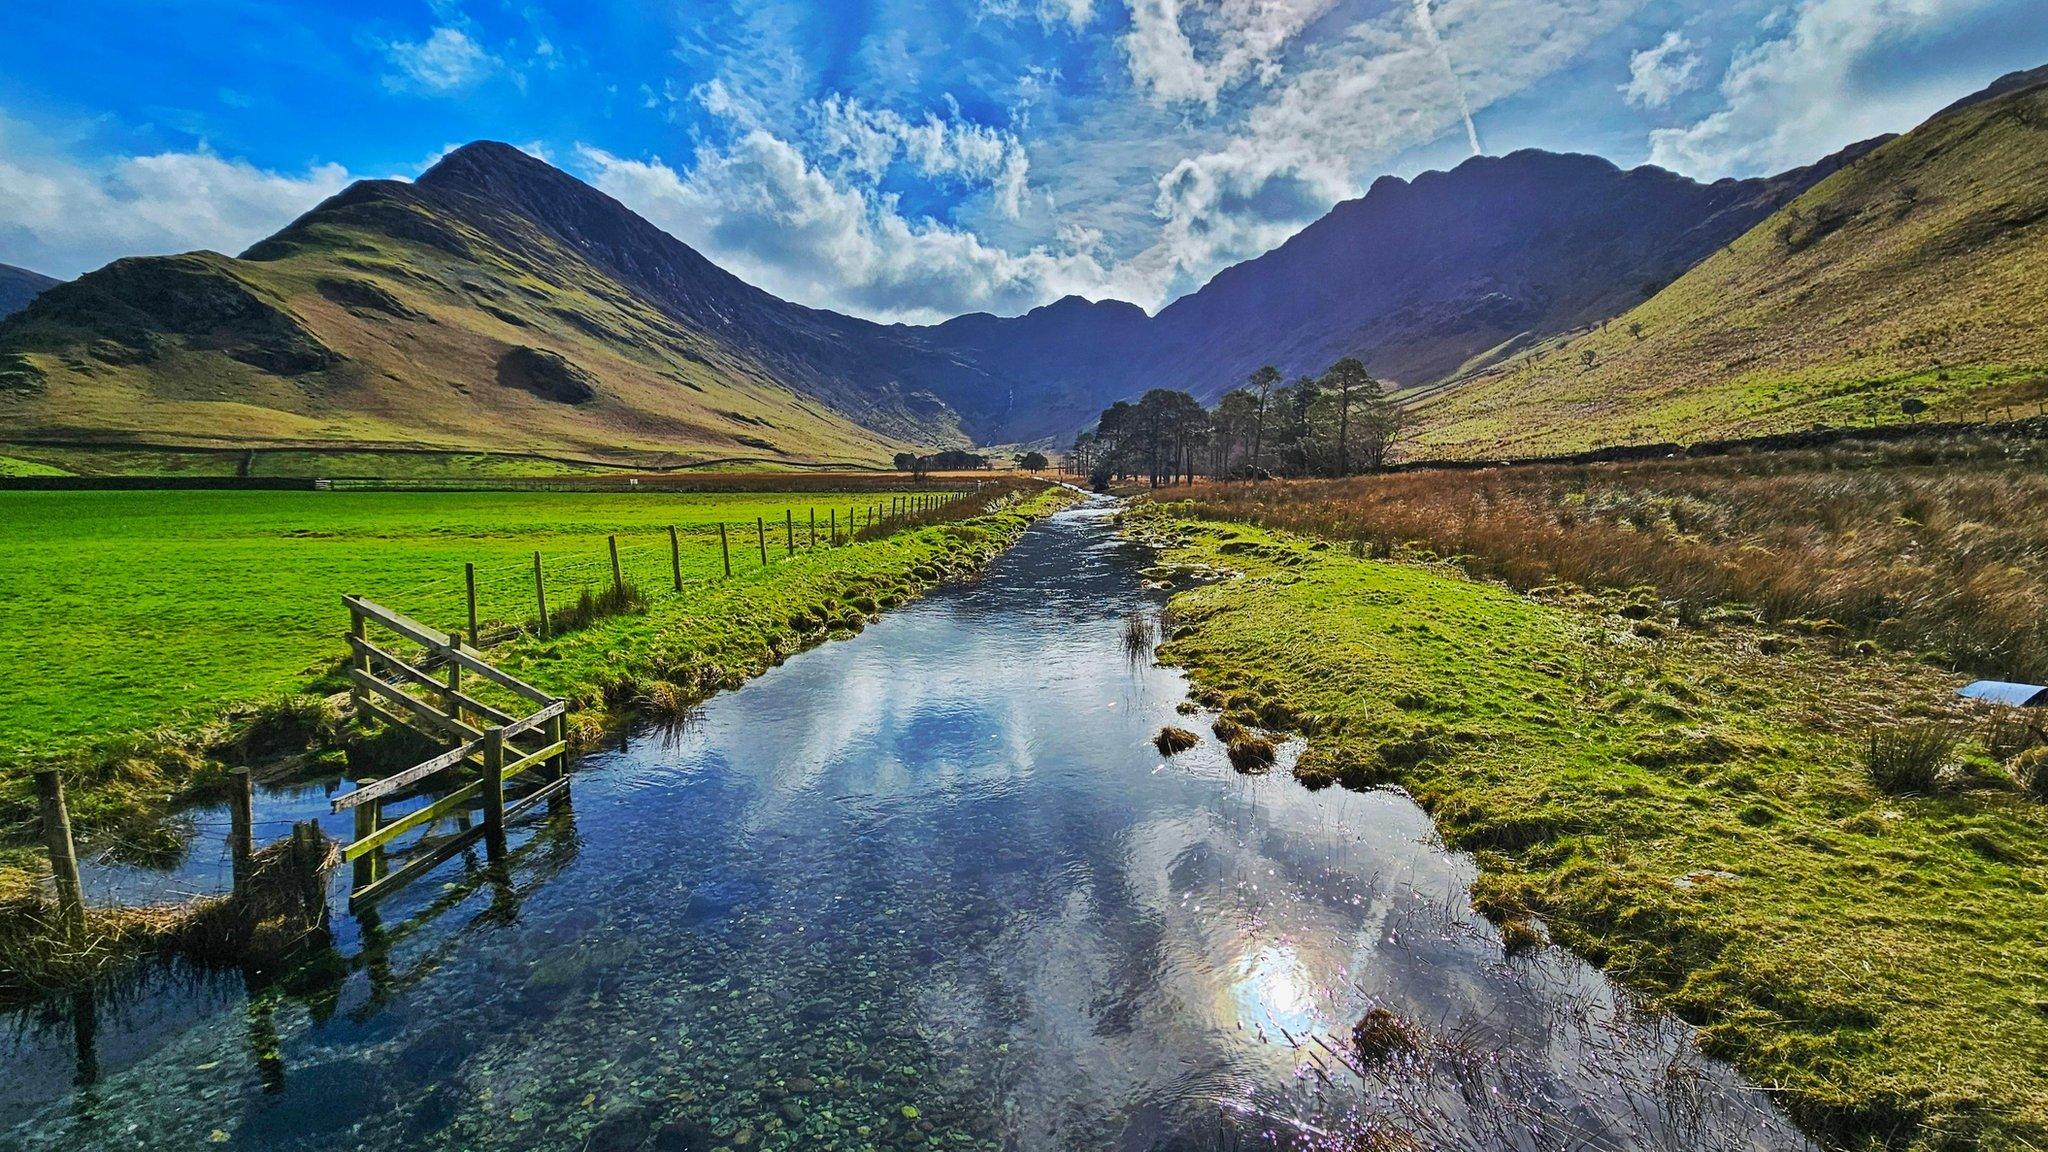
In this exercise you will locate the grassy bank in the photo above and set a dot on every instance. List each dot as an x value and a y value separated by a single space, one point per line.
1686 804
1936 548
156 694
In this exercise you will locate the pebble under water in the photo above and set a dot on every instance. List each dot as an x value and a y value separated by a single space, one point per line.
933 888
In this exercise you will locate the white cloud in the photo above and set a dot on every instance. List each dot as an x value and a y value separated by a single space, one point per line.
759 208
64 216
1793 99
1659 73
446 61
1192 51
1073 15
949 151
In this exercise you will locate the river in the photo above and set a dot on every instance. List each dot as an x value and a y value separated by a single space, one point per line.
931 887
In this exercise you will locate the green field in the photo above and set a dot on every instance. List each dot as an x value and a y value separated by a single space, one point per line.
130 609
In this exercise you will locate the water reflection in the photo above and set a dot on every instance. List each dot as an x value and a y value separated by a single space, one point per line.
931 887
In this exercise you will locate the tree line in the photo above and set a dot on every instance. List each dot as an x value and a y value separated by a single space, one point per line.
1338 424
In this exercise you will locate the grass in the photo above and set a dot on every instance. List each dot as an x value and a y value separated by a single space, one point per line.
130 610
1938 549
1879 961
662 655
1916 274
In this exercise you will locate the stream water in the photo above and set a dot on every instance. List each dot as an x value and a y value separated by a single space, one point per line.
930 887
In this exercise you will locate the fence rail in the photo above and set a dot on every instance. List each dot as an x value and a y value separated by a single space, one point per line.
425 694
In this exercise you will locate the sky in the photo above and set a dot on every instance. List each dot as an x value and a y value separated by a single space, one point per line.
916 160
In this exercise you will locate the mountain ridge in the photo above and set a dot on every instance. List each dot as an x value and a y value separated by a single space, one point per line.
18 286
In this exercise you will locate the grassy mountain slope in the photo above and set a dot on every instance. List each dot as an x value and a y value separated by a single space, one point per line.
431 315
18 286
1918 273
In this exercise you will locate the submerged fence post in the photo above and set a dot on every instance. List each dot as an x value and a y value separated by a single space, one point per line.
675 557
761 536
540 595
618 577
63 853
242 827
494 791
724 550
469 579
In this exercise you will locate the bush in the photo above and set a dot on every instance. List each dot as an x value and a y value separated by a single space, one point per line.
1907 760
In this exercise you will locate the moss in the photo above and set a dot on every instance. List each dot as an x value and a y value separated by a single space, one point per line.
1848 955
1172 741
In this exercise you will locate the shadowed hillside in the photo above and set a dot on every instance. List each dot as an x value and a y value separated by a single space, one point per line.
18 286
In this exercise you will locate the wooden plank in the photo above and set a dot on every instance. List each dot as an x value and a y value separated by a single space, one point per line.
383 886
405 626
532 758
536 796
393 783
521 727
468 658
415 705
416 676
460 798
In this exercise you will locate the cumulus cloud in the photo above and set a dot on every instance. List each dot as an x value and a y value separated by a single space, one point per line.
1192 51
803 214
1659 73
64 216
1797 97
446 61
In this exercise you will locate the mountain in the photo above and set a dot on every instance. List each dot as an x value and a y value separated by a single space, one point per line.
1421 279
493 304
18 286
1918 273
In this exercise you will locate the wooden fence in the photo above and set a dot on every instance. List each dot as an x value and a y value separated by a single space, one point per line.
427 695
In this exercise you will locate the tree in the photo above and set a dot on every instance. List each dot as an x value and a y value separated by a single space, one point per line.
1032 461
1236 419
907 462
1262 383
1347 380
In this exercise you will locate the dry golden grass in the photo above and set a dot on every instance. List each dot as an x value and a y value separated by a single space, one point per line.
1940 549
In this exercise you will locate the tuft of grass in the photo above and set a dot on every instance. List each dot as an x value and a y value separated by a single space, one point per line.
1907 760
1382 1036
1139 635
1250 753
591 606
1172 741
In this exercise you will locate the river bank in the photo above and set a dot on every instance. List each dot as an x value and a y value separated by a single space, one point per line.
1685 805
659 661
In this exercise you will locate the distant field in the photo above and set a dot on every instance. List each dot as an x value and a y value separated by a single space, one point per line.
120 610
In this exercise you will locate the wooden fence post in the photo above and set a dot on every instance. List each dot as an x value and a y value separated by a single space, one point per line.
242 827
725 550
835 527
761 536
540 595
788 532
469 579
618 577
675 557
494 791
369 867
556 735
358 659
63 853
814 530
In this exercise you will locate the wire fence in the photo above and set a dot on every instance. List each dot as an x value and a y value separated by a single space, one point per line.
502 593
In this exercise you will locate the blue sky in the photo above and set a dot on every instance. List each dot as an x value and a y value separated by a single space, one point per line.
916 160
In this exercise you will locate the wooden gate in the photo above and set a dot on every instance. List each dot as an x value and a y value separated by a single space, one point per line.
425 694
